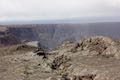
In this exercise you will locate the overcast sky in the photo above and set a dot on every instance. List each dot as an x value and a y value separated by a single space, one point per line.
57 9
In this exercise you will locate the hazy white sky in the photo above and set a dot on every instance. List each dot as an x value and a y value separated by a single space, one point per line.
57 9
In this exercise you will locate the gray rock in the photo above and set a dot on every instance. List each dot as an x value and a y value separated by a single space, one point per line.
33 43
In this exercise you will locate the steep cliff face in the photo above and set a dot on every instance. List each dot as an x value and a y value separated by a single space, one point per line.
42 33
51 35
7 38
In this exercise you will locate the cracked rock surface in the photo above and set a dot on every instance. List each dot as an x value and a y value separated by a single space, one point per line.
94 58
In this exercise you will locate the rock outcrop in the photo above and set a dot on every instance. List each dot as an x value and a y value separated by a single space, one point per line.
94 58
93 46
100 46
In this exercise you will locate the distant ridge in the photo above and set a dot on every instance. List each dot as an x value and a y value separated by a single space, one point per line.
62 21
